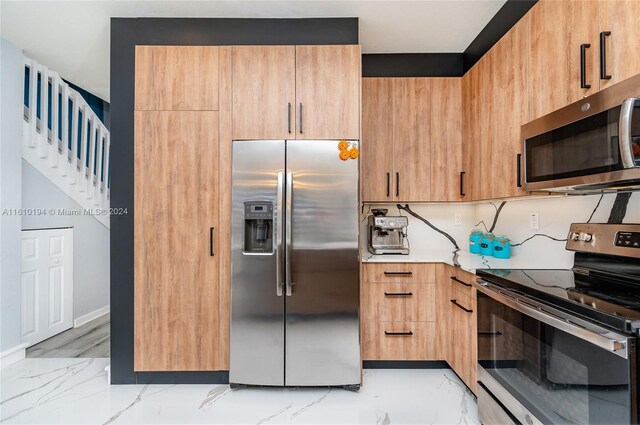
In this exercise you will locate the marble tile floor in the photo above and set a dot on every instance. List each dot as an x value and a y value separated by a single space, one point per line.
89 340
75 391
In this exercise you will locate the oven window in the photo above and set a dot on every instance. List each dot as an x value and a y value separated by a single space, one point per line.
588 146
560 378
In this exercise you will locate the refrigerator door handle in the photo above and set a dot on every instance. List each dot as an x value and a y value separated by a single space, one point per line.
278 234
287 219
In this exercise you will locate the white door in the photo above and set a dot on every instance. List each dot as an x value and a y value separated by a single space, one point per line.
47 283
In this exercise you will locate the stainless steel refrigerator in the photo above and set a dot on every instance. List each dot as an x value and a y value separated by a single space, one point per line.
294 265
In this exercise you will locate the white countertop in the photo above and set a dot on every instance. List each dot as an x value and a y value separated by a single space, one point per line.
466 260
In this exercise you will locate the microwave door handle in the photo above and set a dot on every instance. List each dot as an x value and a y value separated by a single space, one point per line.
277 232
624 129
288 226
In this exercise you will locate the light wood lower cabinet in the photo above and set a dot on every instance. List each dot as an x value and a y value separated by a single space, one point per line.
398 272
399 341
456 333
175 224
398 311
407 302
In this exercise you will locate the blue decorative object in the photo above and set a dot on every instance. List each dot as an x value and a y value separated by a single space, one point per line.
486 244
474 241
501 247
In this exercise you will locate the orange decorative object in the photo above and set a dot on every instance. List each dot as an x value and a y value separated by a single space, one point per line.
344 155
343 145
354 153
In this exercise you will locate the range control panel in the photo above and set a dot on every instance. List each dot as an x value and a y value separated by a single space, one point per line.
628 239
612 239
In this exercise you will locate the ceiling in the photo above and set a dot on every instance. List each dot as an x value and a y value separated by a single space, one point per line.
72 37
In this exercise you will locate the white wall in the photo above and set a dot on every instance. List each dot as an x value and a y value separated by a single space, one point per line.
11 75
555 213
90 240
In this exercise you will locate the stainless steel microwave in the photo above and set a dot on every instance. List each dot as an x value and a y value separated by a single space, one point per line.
590 145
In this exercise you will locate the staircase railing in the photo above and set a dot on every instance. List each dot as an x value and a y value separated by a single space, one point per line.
65 140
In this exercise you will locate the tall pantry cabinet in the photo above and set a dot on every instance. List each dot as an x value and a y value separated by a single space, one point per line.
176 281
191 102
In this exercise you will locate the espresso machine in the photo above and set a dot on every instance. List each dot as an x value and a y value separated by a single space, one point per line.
387 233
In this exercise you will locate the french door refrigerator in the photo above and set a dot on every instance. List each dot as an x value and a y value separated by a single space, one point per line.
294 265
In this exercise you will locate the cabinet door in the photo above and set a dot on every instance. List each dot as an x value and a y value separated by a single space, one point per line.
328 92
179 78
508 63
463 345
263 92
558 29
175 266
377 139
411 139
471 149
622 19
446 138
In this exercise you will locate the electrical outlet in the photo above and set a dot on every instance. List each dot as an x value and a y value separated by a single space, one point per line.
534 221
457 219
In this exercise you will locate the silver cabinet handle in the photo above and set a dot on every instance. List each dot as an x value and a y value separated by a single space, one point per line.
300 117
289 117
624 128
277 232
288 219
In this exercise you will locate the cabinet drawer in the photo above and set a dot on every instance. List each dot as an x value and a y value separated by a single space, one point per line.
398 272
462 281
398 340
462 302
389 302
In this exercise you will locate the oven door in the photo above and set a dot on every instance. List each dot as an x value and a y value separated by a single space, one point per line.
545 369
581 148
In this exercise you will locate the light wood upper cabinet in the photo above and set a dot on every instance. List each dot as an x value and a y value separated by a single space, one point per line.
377 139
328 92
411 139
180 78
509 111
175 272
558 29
263 92
471 121
622 46
446 138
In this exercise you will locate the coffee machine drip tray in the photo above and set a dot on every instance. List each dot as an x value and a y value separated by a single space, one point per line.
387 234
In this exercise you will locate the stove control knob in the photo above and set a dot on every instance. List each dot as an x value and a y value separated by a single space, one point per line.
586 237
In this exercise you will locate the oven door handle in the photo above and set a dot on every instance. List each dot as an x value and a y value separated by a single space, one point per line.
603 338
624 128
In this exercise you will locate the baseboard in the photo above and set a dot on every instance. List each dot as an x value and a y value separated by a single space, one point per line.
91 316
12 355
187 377
405 364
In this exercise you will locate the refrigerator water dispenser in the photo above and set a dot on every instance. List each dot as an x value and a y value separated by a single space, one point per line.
258 227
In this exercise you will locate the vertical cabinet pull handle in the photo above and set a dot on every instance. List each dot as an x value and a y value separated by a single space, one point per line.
388 184
519 170
603 55
462 173
300 117
211 251
583 66
289 117
397 184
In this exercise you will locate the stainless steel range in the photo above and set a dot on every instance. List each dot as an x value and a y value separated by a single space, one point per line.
559 346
